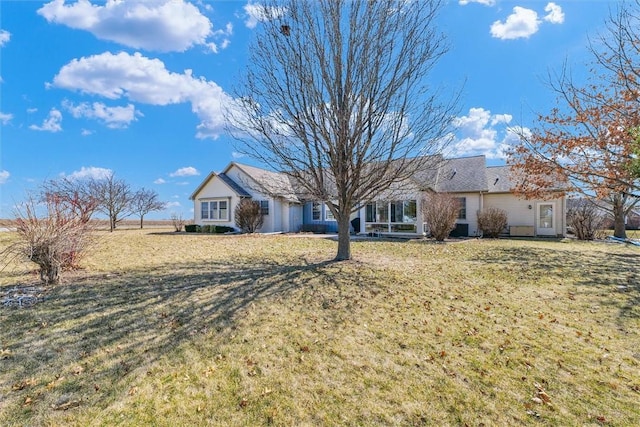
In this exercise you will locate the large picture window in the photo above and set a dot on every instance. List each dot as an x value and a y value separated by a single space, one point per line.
215 210
396 217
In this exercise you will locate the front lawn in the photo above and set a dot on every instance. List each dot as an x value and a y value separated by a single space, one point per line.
184 330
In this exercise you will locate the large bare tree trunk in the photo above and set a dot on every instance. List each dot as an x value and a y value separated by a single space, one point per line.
336 96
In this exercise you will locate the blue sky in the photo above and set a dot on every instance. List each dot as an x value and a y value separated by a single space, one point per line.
137 88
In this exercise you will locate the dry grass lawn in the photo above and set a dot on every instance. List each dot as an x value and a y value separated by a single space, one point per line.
170 329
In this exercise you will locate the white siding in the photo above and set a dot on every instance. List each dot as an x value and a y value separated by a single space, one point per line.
523 212
215 190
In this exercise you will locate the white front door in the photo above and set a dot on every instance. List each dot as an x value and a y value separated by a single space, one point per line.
546 219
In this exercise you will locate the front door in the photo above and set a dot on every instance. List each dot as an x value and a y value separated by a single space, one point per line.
546 219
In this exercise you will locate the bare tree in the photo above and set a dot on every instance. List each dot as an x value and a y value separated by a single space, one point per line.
440 212
145 201
114 197
248 216
336 97
75 194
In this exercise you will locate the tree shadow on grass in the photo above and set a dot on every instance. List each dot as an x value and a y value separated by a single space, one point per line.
106 326
613 271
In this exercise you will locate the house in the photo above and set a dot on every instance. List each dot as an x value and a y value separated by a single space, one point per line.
468 179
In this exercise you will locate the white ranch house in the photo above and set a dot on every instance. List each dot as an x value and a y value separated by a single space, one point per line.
475 185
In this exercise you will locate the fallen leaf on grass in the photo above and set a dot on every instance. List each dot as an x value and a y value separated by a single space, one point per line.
24 384
67 405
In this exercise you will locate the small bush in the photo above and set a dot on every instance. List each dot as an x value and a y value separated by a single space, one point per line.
248 216
492 222
192 228
440 212
221 229
584 218
54 241
177 222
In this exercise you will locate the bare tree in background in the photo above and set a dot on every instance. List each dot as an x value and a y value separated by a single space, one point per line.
145 201
77 195
115 197
336 96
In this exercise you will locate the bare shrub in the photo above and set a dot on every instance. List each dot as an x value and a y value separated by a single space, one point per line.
440 211
177 222
248 216
54 241
492 222
584 218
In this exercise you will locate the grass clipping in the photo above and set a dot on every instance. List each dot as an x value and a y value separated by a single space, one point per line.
179 329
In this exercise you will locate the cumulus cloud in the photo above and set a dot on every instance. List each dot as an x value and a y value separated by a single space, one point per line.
5 118
484 2
159 181
256 13
522 23
4 176
112 117
186 171
5 36
555 15
145 80
159 25
481 132
51 124
90 172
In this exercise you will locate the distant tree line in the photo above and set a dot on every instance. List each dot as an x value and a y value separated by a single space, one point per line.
110 196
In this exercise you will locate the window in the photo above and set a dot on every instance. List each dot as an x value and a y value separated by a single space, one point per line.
403 211
462 207
316 211
328 215
264 207
382 210
217 210
370 212
204 210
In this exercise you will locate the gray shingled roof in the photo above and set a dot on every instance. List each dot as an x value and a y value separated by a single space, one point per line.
275 184
465 174
499 179
234 186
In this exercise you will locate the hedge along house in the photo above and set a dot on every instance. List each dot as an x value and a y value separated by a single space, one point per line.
468 179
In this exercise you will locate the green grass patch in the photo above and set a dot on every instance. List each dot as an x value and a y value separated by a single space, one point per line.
189 329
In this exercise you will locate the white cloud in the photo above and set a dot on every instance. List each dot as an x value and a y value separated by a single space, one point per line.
5 118
4 176
555 14
237 155
186 171
91 172
159 181
481 132
113 117
32 110
484 2
145 80
86 132
5 36
51 123
159 25
522 23
256 13
170 205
